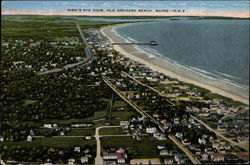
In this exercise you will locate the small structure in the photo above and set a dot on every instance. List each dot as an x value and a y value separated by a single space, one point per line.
218 157
62 133
29 138
84 159
151 129
47 126
88 138
146 161
71 161
179 135
77 149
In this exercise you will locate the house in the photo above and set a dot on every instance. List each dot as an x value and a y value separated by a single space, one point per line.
32 133
179 135
119 156
169 161
62 133
146 161
217 157
178 158
164 152
84 159
176 120
186 142
97 83
124 123
151 129
47 126
204 157
29 138
77 149
71 161
231 158
155 114
202 141
87 150
161 146
88 138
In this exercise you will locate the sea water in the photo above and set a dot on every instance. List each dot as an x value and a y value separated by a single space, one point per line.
216 49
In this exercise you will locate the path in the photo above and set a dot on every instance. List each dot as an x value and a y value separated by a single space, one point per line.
98 158
193 159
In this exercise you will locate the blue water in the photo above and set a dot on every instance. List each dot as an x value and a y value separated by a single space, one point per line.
218 49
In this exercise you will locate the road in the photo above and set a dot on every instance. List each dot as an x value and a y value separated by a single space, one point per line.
233 143
138 109
131 103
98 158
193 159
88 54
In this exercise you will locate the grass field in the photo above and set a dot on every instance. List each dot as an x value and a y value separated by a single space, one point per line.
50 28
81 132
144 148
52 142
110 131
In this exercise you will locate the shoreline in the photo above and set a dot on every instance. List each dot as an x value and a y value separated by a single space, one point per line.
170 70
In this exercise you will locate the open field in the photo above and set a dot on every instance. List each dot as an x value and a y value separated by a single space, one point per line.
110 131
51 28
144 148
52 142
81 132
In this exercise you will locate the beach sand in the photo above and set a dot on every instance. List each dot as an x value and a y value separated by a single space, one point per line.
176 71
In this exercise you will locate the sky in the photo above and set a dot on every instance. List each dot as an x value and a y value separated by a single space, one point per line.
192 8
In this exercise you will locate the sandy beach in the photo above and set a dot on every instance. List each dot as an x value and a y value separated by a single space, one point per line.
175 71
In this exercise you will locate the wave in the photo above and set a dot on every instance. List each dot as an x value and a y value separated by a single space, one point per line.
227 75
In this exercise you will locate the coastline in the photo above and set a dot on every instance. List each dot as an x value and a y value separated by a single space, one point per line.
172 71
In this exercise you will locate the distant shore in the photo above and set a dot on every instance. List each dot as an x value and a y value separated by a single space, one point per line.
162 66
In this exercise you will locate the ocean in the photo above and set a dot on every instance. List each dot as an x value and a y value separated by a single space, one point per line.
215 49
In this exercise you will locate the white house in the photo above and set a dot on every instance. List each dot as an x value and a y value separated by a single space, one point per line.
77 149
84 159
163 152
88 138
29 138
47 125
124 123
179 135
151 129
202 141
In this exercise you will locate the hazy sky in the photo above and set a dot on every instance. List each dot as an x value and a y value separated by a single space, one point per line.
211 8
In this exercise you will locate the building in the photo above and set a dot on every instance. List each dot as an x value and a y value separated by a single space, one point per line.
119 156
179 135
77 149
218 157
29 138
84 159
47 126
151 129
146 161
